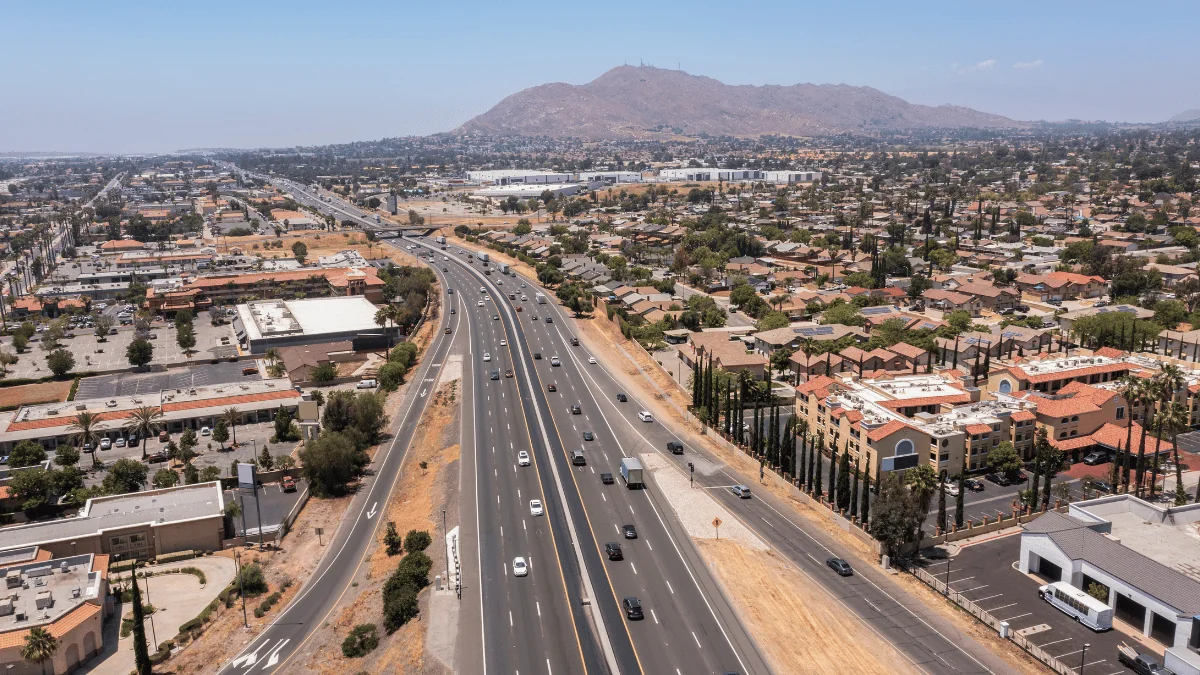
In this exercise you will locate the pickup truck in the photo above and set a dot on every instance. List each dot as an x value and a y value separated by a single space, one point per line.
1142 664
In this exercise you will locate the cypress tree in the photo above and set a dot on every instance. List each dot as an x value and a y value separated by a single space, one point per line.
141 652
843 482
756 432
941 516
816 472
803 468
833 469
955 365
696 382
864 507
958 499
854 495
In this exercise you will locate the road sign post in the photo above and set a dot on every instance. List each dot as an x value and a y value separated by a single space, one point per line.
717 526
691 474
320 531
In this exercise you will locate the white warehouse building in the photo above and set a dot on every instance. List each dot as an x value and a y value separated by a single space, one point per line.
792 176
517 177
708 174
609 176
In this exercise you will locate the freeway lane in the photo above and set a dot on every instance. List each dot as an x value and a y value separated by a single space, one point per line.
530 617
681 632
280 641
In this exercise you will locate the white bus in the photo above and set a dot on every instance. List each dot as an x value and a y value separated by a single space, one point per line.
1087 610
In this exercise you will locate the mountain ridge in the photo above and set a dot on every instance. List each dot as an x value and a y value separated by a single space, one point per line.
630 102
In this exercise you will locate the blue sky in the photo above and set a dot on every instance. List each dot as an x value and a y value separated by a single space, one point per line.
142 77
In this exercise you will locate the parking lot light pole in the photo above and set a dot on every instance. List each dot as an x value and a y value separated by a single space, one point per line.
948 577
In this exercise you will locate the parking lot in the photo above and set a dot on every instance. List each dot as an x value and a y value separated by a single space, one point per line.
273 503
985 573
130 384
91 354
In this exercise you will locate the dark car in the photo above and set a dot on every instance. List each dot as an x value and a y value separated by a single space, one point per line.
675 447
1054 301
551 387
621 398
588 436
549 319
576 410
1022 308
998 479
973 484
163 436
537 356
508 372
1094 458
613 550
447 331
495 374
840 566
629 531
633 608
574 342
156 458
577 458
606 478
1103 487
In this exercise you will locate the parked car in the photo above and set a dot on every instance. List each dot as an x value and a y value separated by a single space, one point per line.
1100 486
163 436
998 479
366 384
105 443
288 484
952 488
205 431
840 566
120 443
973 484
1095 457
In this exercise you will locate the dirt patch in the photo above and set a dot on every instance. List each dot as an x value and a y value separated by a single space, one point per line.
426 486
318 244
801 628
30 394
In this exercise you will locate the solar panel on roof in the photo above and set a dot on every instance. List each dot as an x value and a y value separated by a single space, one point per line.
875 310
1009 334
817 330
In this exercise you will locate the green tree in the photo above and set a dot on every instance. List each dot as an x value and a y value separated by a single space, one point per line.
125 475
392 540
843 313
220 433
742 294
103 323
300 251
1004 459
324 372
417 540
185 337
141 651
773 320
140 352
60 362
231 416
27 453
843 482
896 512
265 460
84 432
922 481
66 455
32 488
144 422
331 462
165 478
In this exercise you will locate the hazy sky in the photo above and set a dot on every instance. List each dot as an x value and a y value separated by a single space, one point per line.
154 76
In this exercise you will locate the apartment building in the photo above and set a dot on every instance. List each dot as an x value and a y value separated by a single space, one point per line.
227 289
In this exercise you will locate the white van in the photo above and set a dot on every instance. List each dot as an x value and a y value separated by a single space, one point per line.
645 416
367 384
1089 611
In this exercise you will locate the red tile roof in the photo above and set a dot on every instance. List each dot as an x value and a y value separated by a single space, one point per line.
979 429
1023 416
886 430
926 400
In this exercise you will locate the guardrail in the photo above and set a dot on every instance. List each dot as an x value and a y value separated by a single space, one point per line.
987 619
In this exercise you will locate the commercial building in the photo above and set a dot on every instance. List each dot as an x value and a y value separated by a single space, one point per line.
1138 557
517 177
50 423
529 191
791 176
264 324
67 597
228 289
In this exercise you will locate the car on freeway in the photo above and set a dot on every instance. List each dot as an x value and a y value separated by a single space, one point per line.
549 319
479 303
591 359
495 317
452 311
487 357
576 410
447 331
495 375
578 458
740 491
534 317
523 458
588 436
622 398
629 531
675 447
613 550
645 416
508 372
606 478
288 484
537 356
840 566
555 362
551 387
504 343
535 507
633 608
520 567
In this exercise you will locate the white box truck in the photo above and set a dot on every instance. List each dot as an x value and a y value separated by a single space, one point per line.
484 257
440 240
503 269
541 299
631 471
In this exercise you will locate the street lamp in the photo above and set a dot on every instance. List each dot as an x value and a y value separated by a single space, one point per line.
1083 657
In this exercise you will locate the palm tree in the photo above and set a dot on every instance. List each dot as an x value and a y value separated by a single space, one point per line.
232 416
1167 383
39 647
382 317
1177 419
272 355
1131 390
144 422
923 482
84 431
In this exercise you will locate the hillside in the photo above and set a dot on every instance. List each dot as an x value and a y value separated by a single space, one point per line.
1192 115
643 102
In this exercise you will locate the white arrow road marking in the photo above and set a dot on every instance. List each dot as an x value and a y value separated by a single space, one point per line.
372 512
274 658
423 391
247 660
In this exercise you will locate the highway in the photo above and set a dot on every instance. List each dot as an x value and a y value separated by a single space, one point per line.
274 648
688 627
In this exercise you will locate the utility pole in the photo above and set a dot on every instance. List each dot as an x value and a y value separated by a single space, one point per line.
238 556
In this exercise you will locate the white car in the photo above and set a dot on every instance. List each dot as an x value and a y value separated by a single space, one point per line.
535 507
645 416
105 443
520 567
952 488
523 458
504 343
205 431
482 289
591 359
479 304
487 357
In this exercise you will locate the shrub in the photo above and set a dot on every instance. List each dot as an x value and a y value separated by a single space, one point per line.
417 540
253 581
266 605
399 601
360 641
178 555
